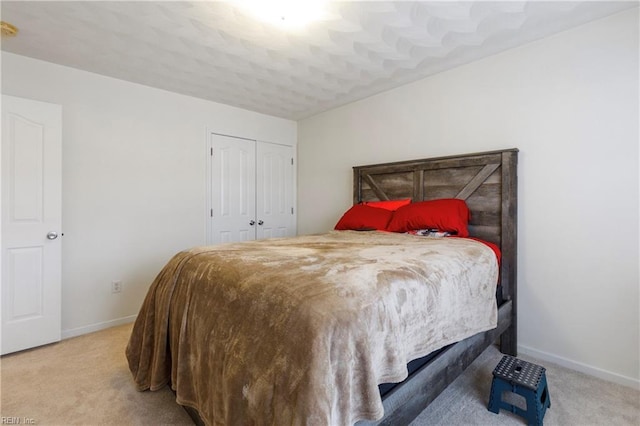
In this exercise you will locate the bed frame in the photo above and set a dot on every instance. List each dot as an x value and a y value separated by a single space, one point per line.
488 183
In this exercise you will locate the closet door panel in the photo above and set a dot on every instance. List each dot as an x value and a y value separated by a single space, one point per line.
274 205
233 189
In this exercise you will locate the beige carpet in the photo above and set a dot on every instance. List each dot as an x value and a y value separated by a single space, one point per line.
86 381
576 399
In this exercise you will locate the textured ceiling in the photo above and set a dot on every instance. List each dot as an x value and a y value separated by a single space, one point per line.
216 51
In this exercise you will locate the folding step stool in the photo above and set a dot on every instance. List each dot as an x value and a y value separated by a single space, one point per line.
525 379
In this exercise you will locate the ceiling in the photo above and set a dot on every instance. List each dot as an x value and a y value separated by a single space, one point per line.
217 51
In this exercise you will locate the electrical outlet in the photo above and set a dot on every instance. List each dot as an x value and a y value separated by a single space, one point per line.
116 286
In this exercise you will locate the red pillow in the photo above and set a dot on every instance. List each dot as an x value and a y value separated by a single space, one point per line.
391 205
363 217
447 214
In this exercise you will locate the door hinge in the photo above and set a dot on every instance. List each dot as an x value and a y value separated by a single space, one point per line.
292 161
212 151
211 213
291 210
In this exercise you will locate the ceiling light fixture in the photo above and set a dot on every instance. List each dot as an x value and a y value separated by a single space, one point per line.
7 29
288 14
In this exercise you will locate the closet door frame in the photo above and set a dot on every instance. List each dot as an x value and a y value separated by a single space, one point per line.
209 136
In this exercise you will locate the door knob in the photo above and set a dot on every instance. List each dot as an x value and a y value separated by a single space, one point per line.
260 222
52 235
253 222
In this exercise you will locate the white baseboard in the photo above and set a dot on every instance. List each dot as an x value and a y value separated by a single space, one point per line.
73 332
578 366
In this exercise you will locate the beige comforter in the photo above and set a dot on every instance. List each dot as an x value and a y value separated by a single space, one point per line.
302 330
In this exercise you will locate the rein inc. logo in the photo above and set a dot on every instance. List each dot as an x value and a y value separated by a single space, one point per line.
5 420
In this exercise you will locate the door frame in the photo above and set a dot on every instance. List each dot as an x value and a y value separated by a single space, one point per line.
208 230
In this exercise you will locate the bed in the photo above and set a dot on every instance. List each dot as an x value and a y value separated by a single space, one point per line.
306 349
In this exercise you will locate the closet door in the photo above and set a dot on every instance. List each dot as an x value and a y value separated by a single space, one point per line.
233 189
274 183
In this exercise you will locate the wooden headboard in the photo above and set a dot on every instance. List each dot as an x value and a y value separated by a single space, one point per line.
486 180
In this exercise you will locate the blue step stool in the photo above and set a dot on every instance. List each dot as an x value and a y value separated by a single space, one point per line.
525 379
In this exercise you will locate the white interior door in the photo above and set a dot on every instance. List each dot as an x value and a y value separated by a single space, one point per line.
31 223
233 189
274 205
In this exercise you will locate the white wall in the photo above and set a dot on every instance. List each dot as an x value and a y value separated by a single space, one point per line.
134 170
570 104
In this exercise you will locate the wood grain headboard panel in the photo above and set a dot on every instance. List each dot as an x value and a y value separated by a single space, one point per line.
486 180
